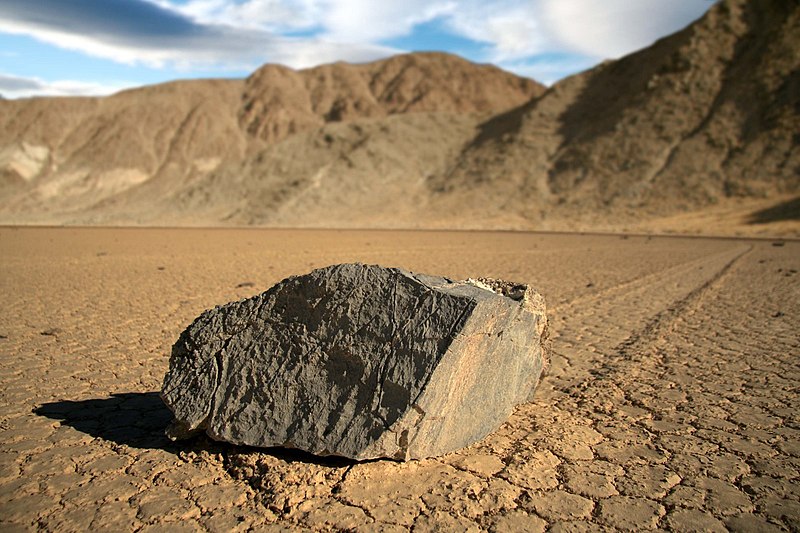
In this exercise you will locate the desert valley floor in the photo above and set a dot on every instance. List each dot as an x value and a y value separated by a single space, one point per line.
672 401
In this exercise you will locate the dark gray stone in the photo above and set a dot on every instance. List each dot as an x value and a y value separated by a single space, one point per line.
359 361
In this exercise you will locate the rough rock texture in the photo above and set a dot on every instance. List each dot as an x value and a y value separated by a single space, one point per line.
359 361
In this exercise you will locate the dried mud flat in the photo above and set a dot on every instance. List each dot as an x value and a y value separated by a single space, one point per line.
672 401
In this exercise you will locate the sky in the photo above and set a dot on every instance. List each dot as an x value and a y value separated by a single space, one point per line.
97 47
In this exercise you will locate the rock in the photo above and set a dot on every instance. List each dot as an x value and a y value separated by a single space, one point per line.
359 361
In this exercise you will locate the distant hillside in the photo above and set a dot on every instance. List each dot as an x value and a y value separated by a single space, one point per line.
140 156
703 121
279 102
63 155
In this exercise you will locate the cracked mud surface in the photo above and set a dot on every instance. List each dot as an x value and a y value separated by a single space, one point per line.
671 403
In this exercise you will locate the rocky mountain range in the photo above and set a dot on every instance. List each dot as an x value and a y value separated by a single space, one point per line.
706 120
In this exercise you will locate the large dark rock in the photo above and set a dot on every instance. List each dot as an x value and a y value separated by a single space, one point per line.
359 361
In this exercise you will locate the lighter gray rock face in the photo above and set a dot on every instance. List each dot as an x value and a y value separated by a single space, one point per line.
359 361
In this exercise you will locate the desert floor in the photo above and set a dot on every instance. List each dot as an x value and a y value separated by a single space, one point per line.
672 402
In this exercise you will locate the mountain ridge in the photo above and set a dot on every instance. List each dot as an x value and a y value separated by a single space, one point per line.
591 142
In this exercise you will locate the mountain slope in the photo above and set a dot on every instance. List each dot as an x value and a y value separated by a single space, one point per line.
707 113
67 154
115 159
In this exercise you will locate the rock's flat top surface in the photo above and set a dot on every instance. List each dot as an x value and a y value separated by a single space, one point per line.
359 361
671 400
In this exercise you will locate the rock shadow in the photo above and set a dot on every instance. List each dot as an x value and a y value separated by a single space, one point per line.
136 419
788 210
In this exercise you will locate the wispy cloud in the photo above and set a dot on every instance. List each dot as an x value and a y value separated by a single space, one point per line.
21 87
510 29
277 16
613 28
135 31
544 39
507 28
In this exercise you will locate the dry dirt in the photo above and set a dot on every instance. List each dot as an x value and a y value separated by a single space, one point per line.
672 402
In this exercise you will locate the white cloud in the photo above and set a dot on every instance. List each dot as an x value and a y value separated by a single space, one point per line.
354 21
164 38
613 28
93 46
543 39
509 29
372 21
270 15
22 87
513 36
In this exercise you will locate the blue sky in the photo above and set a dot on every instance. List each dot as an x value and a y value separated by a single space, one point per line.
90 47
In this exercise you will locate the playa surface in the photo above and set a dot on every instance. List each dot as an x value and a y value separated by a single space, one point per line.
672 402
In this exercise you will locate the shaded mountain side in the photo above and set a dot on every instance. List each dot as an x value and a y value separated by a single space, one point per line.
707 113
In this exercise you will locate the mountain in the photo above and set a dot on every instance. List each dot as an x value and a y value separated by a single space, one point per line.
703 121
708 113
142 155
63 155
278 101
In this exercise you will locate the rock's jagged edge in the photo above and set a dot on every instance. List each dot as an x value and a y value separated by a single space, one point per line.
491 361
529 299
